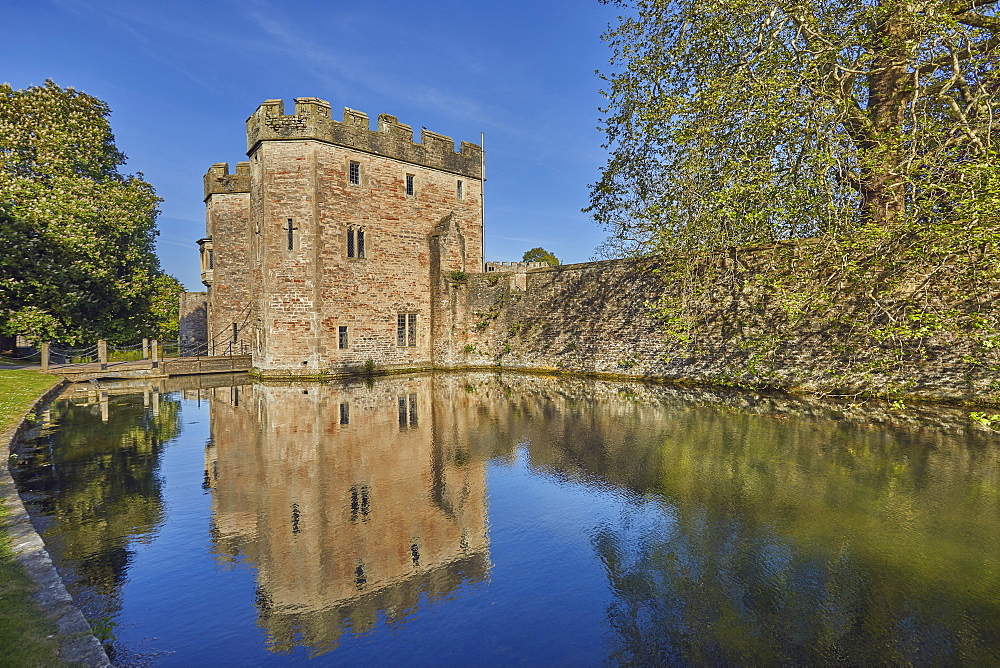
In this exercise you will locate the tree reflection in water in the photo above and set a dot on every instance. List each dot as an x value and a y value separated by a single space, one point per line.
90 479
788 532
758 528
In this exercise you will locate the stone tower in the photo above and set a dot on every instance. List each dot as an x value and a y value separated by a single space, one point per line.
337 244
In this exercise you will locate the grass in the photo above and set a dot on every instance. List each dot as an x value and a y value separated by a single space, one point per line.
27 636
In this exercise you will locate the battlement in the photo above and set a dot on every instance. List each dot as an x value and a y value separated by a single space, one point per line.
515 266
218 180
313 120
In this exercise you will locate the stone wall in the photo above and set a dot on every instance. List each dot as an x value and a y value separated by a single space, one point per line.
306 293
598 318
227 212
193 318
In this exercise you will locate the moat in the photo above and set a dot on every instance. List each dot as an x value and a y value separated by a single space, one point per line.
461 519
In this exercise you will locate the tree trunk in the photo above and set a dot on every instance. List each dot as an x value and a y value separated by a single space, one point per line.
883 199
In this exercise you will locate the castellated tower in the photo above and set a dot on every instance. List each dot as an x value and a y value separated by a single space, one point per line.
338 244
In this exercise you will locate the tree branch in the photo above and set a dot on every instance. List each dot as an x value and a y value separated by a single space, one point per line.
979 21
946 60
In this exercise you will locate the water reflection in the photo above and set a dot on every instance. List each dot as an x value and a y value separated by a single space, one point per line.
791 531
351 501
702 526
91 484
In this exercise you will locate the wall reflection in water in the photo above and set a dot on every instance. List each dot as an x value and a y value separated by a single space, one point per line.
352 501
711 527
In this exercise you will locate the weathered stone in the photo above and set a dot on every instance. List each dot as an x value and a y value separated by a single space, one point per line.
299 250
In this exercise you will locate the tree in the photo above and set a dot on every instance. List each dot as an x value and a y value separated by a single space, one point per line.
541 255
77 260
742 121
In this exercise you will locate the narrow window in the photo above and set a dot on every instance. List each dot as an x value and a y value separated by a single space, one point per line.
345 413
355 173
411 334
415 554
350 242
295 518
211 260
291 234
409 184
401 330
234 395
361 242
458 191
342 337
236 332
359 576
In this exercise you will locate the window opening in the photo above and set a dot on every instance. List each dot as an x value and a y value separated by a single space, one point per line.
291 234
345 413
355 242
415 554
295 518
355 173
359 576
458 191
409 184
342 337
211 259
406 330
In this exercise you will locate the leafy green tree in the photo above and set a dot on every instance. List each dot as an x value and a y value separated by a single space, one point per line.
541 255
77 260
743 121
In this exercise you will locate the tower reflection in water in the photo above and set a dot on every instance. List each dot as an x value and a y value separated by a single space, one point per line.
350 500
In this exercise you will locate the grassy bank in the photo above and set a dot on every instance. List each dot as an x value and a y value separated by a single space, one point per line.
27 636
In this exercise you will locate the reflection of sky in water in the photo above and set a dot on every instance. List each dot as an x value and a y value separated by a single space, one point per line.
624 524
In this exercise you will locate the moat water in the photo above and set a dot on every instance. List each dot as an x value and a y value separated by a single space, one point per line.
484 520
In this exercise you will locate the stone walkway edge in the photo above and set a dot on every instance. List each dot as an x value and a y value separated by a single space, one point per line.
77 644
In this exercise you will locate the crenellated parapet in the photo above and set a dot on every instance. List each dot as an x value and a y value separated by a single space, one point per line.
313 120
218 180
515 266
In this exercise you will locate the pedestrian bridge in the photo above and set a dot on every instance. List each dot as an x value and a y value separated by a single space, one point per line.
150 368
140 361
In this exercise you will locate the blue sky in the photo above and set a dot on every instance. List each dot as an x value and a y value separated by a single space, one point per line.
182 77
